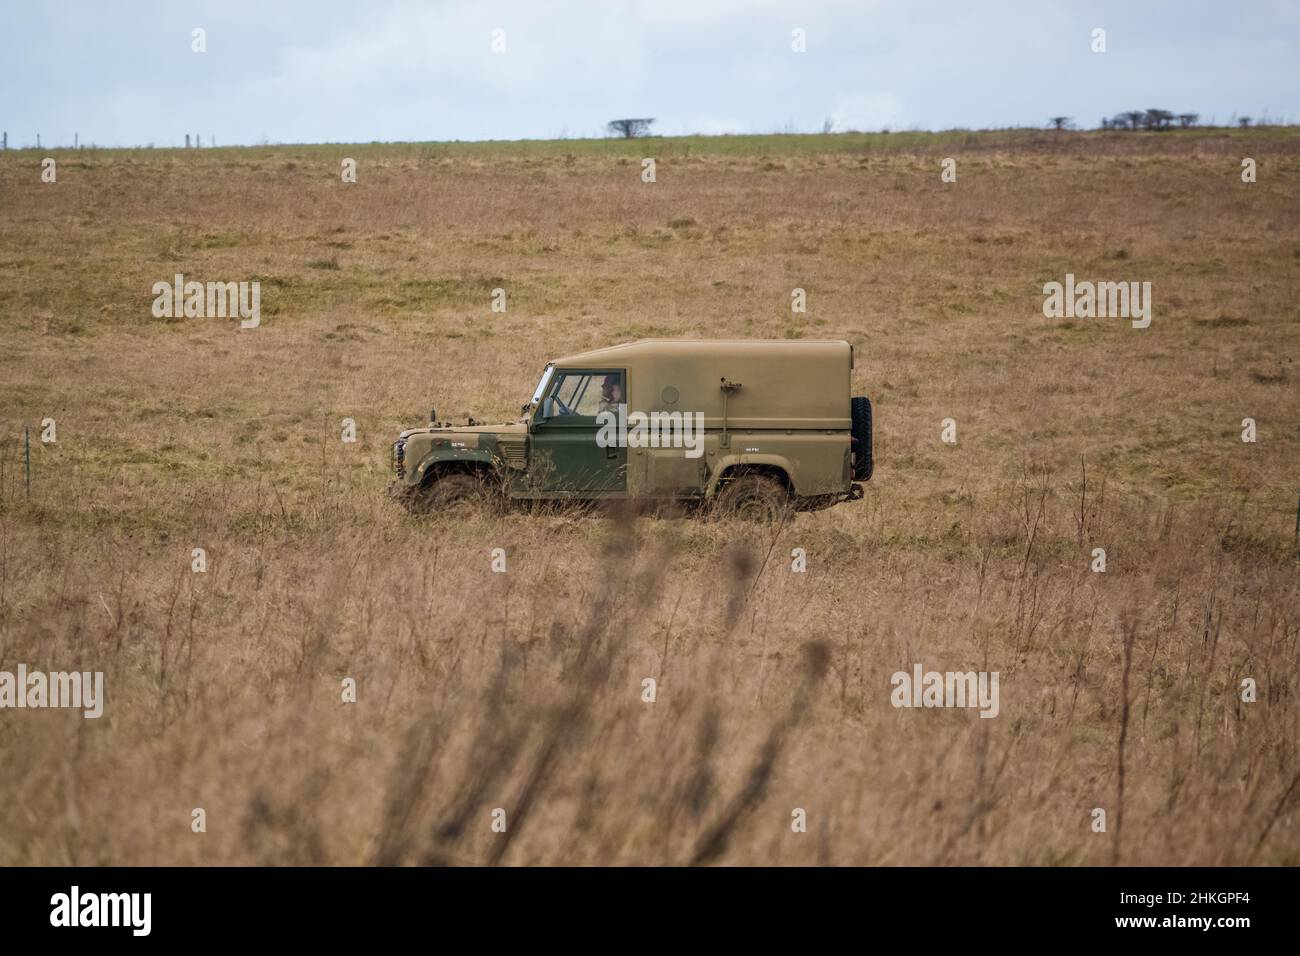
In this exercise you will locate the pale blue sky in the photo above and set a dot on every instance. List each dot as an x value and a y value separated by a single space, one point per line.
123 73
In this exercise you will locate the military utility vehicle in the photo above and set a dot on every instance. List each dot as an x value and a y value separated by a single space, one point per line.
747 427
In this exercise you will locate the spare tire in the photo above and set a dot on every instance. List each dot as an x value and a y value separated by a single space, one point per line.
860 409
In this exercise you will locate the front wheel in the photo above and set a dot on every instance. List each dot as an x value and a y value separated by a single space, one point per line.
455 494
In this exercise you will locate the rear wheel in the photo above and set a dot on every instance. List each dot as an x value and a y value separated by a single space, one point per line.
860 410
757 498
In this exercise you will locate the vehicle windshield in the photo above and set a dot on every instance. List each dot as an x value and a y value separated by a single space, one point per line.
541 386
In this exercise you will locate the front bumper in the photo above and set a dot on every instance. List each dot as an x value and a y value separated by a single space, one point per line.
399 458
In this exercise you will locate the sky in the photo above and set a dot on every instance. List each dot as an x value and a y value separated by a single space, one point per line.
125 73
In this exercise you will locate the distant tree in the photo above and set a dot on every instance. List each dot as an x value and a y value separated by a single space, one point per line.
828 125
1157 119
1061 122
1132 118
630 128
1105 123
1188 119
1243 121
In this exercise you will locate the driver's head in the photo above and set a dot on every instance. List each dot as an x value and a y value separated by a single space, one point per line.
611 389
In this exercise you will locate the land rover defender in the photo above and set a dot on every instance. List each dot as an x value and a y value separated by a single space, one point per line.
748 427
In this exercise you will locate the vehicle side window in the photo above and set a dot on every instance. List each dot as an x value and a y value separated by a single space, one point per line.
581 393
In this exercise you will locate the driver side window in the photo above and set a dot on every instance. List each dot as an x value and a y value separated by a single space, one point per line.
577 394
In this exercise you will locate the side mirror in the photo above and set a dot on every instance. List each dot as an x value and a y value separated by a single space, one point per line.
433 416
548 408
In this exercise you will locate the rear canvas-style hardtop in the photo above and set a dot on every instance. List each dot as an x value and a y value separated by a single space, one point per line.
784 385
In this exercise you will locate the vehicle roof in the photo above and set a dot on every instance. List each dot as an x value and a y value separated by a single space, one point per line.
703 348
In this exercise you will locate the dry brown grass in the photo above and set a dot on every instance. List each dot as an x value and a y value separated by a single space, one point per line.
523 690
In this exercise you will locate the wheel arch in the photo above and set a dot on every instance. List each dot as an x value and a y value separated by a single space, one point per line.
435 466
772 466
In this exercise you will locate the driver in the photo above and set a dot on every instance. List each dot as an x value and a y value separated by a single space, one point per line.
611 393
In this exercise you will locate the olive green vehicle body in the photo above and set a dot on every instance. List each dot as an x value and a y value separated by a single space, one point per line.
784 412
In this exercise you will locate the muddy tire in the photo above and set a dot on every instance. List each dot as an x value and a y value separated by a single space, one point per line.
860 410
454 494
755 498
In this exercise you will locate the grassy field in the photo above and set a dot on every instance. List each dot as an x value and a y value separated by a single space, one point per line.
522 691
